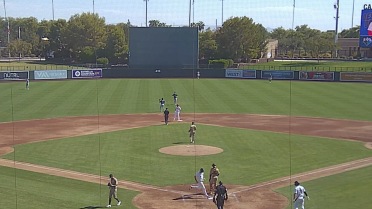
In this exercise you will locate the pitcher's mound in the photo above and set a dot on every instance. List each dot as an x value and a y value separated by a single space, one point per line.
190 150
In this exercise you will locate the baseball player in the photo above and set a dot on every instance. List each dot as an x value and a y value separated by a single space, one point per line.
162 103
299 196
27 84
198 74
166 116
270 78
199 178
192 131
213 178
113 186
175 98
177 113
220 195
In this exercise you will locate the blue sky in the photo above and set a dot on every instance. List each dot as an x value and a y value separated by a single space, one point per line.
317 14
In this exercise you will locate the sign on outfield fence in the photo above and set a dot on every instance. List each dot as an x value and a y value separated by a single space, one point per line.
233 73
50 74
91 73
317 76
349 76
14 75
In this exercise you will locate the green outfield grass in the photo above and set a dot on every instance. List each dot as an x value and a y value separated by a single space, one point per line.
118 96
342 191
35 191
352 66
133 154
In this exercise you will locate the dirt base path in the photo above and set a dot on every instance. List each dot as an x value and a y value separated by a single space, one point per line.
259 196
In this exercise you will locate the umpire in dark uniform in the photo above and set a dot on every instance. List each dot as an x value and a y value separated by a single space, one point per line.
166 116
220 195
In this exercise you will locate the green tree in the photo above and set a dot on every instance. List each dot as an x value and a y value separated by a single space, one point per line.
350 33
20 48
241 39
157 23
200 25
83 33
116 47
207 45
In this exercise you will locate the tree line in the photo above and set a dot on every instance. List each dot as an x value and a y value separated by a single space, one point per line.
87 38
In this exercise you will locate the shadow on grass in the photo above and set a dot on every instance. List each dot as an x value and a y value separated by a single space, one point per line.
92 207
180 143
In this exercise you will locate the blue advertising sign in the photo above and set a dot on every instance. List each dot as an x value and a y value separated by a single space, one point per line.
14 75
233 73
249 73
279 74
365 36
91 73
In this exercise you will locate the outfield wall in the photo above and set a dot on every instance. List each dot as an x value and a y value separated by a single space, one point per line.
232 73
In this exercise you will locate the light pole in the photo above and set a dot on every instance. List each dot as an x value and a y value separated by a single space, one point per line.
93 7
8 28
293 13
190 13
222 13
352 15
146 11
337 7
53 9
193 11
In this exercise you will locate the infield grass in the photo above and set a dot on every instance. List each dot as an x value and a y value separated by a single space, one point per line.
249 156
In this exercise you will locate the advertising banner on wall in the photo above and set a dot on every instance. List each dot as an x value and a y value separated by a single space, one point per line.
365 33
317 76
14 75
50 74
279 74
349 76
249 74
87 73
233 73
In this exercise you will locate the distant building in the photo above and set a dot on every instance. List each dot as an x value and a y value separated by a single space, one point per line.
349 47
272 48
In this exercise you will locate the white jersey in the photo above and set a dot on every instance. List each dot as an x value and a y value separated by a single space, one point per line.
199 176
300 192
178 109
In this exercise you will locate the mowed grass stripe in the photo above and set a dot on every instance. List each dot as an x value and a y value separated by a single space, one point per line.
79 97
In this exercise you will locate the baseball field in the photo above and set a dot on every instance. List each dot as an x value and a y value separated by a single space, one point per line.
60 140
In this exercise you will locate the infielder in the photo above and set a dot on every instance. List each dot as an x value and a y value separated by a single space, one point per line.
220 195
199 178
162 103
299 196
192 132
175 98
213 178
113 186
177 113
